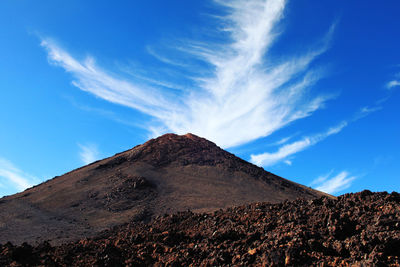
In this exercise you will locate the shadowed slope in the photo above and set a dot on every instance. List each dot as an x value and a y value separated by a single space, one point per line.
164 175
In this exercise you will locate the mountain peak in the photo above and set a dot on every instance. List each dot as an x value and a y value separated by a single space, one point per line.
183 149
164 175
192 136
175 139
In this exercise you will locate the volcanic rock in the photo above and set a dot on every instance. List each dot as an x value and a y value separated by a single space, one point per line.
361 229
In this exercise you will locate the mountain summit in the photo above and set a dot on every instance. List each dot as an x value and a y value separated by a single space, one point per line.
164 175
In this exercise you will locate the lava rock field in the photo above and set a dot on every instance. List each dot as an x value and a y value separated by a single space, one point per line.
361 229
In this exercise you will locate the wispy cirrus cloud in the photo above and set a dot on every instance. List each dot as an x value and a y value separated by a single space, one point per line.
367 110
164 58
288 162
14 176
241 89
287 150
333 184
88 153
392 84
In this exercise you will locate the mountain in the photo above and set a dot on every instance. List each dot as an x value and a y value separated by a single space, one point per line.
164 175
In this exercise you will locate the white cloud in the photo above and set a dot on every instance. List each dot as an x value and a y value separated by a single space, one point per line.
367 110
268 159
92 79
288 162
245 95
392 84
321 179
164 59
15 176
286 150
282 141
333 184
88 153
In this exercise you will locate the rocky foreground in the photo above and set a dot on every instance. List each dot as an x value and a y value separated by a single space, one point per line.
356 229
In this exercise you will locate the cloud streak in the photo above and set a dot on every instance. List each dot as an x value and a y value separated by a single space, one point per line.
392 84
242 90
17 178
88 153
287 150
268 159
337 183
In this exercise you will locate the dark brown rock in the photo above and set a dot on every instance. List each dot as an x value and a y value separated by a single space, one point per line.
305 233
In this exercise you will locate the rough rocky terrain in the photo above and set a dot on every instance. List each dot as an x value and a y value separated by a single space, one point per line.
164 175
361 229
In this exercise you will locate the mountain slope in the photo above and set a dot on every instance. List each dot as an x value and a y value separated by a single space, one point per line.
164 175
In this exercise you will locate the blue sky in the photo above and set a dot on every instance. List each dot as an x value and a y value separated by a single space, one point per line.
308 90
